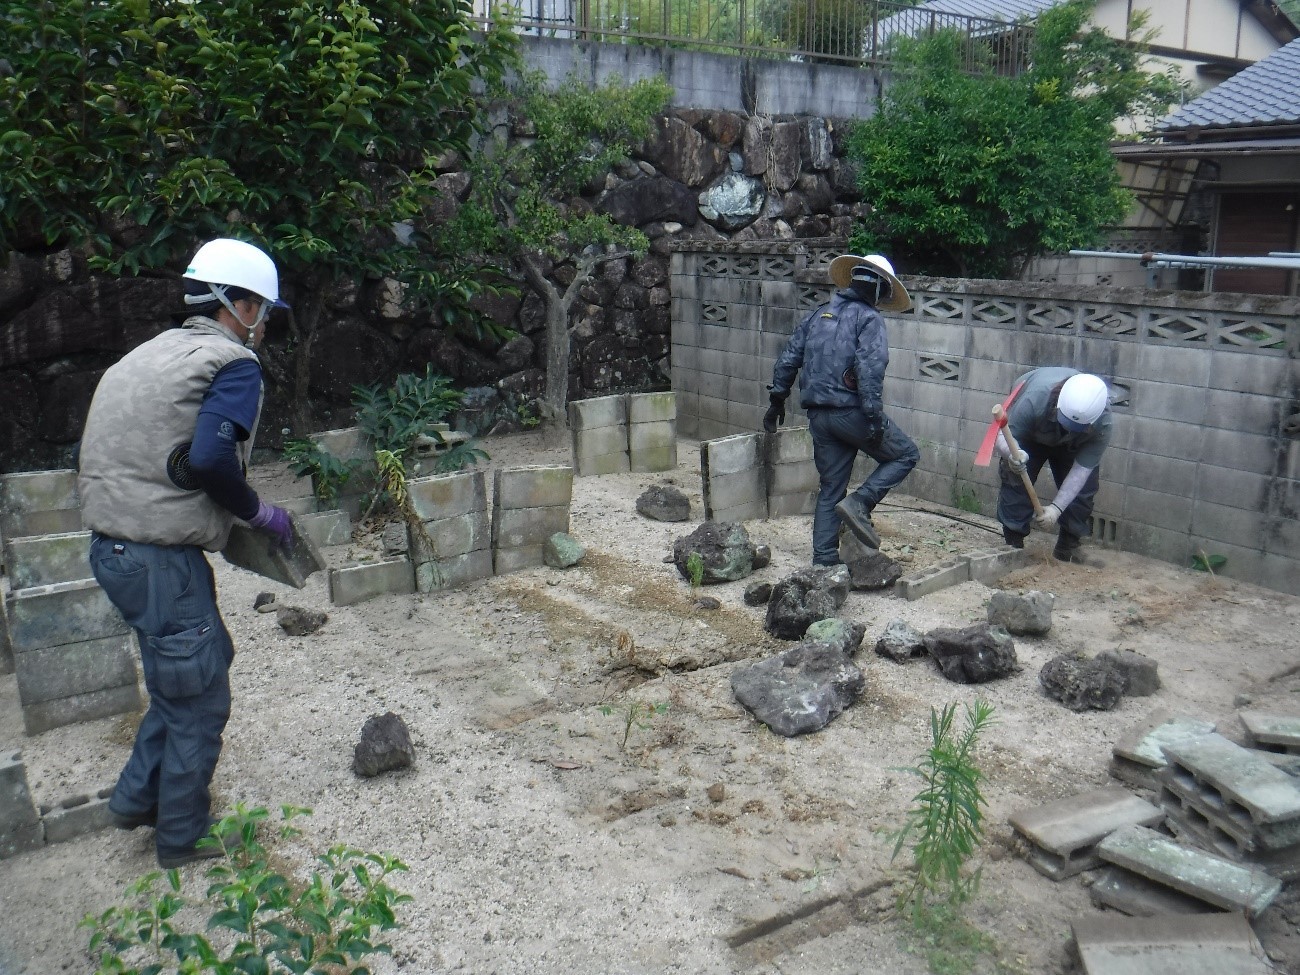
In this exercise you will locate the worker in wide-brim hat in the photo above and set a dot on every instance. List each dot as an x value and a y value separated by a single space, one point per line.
842 351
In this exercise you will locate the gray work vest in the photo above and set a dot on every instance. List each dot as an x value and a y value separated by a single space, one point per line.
134 476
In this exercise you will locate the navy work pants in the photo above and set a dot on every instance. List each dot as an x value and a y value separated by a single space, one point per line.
838 434
1016 511
168 595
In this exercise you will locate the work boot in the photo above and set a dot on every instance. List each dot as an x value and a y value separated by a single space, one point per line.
1069 549
857 518
133 820
170 858
1013 538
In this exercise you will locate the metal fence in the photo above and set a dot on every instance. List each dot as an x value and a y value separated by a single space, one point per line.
856 32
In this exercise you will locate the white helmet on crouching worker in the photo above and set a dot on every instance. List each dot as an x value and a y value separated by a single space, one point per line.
890 295
226 263
1082 400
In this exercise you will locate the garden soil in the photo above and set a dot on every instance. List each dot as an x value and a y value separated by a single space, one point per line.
546 832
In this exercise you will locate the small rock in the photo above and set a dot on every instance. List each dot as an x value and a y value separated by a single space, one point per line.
385 744
874 571
297 621
394 539
1141 674
974 654
1243 700
562 551
762 556
663 502
1081 683
758 593
707 602
1024 614
265 602
900 642
716 792
844 636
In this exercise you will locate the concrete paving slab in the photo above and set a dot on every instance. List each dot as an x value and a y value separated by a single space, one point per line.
257 552
1278 732
1140 751
1217 944
1063 835
1127 892
1221 772
1213 879
1196 830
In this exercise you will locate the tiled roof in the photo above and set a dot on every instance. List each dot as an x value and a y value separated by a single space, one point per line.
1266 93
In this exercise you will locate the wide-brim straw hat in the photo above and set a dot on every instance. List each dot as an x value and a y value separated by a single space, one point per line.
842 275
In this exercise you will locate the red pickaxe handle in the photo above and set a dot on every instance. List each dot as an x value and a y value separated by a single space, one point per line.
1000 418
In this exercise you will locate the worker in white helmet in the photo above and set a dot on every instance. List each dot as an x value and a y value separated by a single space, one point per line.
1059 417
162 477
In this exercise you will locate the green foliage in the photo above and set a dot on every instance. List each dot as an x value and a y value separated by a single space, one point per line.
974 174
328 474
945 822
964 498
637 714
833 30
279 924
1203 562
396 417
950 943
695 569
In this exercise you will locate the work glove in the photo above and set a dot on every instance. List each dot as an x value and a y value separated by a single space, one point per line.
775 415
1017 461
275 522
1047 520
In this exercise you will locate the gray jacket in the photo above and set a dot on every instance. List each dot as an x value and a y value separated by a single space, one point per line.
137 435
844 336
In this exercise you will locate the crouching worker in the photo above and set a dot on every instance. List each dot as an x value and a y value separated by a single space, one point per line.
843 351
162 475
1059 418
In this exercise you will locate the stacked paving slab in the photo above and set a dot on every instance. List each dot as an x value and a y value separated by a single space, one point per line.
631 432
73 654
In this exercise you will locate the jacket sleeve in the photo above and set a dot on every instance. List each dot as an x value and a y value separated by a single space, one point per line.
790 360
870 361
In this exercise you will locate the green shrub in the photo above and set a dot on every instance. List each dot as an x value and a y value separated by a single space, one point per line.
263 921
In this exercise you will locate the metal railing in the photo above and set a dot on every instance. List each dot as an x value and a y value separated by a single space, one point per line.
854 32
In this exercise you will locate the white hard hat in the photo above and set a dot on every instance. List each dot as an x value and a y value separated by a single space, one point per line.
1083 398
841 272
236 264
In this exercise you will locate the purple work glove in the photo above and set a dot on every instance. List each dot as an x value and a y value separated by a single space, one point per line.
276 522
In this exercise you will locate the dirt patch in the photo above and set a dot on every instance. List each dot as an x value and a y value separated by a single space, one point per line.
588 797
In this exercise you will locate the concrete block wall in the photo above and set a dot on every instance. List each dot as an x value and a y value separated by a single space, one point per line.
39 560
74 655
25 827
347 444
456 546
599 430
1205 390
758 475
529 505
627 432
38 503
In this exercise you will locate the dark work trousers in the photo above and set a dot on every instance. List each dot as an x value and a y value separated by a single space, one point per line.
168 595
838 434
1016 511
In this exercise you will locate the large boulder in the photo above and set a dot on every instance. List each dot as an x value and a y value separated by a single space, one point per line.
663 502
1027 614
811 594
733 202
657 198
974 654
677 150
726 553
800 690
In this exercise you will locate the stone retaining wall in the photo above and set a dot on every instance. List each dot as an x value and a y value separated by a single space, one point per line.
1205 390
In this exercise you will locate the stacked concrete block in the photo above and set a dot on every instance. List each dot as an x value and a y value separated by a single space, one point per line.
529 505
1272 732
350 444
74 655
599 428
1234 802
986 566
1146 854
1061 837
39 503
734 472
326 528
41 560
1139 755
20 823
652 431
356 583
792 476
6 645
455 544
